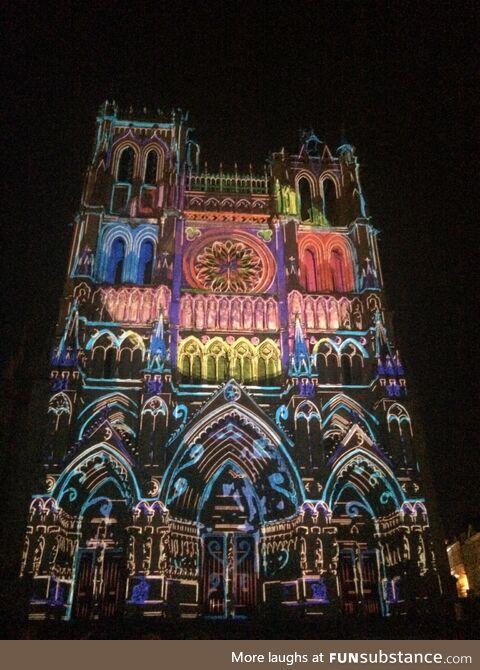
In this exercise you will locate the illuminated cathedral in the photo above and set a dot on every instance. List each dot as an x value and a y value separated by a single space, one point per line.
228 430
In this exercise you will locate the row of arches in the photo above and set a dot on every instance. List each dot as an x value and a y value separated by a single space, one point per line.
114 357
335 414
325 313
326 263
212 428
339 365
227 183
133 305
227 204
216 361
228 313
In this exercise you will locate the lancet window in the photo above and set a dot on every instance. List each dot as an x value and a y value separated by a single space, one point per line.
126 165
305 197
326 263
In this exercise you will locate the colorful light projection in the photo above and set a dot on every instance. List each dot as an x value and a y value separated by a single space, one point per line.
225 430
235 263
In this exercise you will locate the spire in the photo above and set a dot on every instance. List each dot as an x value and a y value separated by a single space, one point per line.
67 352
158 354
382 345
300 362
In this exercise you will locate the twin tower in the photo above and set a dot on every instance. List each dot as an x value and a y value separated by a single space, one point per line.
228 425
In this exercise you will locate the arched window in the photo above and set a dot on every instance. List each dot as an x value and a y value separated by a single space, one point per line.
153 423
130 357
196 376
104 357
190 361
117 259
262 369
310 271
243 357
337 269
216 361
110 363
145 263
126 165
151 168
346 369
399 417
268 362
329 201
352 364
305 195
327 364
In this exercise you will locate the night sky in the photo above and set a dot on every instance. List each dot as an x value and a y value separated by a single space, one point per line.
398 77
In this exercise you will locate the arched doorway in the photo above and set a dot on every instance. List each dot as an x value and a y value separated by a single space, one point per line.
230 476
361 491
100 563
231 518
95 495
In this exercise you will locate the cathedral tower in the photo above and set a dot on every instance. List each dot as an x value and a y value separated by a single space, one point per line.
228 422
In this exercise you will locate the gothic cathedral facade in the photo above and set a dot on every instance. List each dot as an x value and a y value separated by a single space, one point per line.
228 421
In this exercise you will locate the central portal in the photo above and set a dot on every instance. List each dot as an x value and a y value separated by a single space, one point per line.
230 564
229 574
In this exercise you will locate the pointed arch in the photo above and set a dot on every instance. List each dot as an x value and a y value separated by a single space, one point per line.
131 355
326 356
104 347
133 338
125 161
158 148
268 360
83 476
233 432
115 399
330 176
397 414
143 233
353 409
115 247
215 360
307 410
59 405
190 355
330 191
368 474
305 197
117 412
146 262
154 406
243 360
340 260
238 471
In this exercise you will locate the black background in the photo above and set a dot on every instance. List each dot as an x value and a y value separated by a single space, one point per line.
398 77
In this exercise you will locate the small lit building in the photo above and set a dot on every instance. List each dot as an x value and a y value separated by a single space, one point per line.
464 561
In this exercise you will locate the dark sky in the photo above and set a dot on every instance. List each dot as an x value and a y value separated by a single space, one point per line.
400 77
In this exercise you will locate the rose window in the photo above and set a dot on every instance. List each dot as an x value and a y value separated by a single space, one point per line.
228 266
237 264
